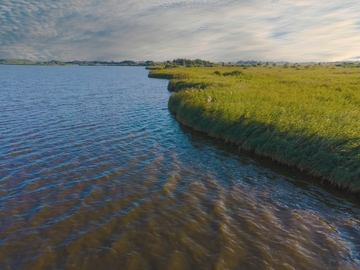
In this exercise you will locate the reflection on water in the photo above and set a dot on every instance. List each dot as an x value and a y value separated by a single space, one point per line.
95 173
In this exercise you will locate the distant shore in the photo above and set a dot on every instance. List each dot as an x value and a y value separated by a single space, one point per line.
304 116
75 62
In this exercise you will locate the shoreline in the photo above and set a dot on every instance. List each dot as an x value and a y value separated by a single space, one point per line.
316 155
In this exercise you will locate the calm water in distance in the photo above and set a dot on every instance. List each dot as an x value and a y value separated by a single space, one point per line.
95 173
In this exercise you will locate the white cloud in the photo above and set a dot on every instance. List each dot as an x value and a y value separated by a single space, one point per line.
165 29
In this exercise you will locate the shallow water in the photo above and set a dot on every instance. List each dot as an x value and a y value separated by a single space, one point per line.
95 173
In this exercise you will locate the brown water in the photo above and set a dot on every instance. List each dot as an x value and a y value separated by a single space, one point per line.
95 173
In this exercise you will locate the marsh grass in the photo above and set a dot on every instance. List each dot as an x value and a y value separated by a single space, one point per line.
303 116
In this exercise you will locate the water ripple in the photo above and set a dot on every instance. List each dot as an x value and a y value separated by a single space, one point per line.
95 173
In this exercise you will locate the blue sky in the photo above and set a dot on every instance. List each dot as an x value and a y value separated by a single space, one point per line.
228 30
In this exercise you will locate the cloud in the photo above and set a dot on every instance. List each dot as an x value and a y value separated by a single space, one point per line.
229 30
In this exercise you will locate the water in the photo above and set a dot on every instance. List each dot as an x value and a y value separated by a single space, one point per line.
95 173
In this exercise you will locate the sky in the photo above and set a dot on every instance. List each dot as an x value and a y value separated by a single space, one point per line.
159 30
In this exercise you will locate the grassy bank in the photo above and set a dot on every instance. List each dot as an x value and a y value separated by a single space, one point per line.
303 116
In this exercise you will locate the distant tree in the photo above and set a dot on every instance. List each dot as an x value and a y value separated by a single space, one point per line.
149 63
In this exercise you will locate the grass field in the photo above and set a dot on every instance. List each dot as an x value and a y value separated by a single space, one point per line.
303 116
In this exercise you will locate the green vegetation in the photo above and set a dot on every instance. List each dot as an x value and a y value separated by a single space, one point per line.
305 116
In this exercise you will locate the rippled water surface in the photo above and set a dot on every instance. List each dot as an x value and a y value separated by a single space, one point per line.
95 173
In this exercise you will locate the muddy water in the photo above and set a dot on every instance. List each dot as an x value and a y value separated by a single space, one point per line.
95 173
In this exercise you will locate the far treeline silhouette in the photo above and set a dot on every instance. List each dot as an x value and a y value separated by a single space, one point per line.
76 62
175 62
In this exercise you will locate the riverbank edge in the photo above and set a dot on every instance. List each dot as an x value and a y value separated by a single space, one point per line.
250 134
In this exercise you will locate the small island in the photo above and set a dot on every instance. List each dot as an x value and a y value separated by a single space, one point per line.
303 115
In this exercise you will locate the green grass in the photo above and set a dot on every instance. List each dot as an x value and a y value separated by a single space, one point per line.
303 116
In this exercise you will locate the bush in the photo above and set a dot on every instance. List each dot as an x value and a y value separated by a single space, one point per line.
233 73
217 73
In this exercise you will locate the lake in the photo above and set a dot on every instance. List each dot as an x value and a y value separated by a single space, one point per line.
96 173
